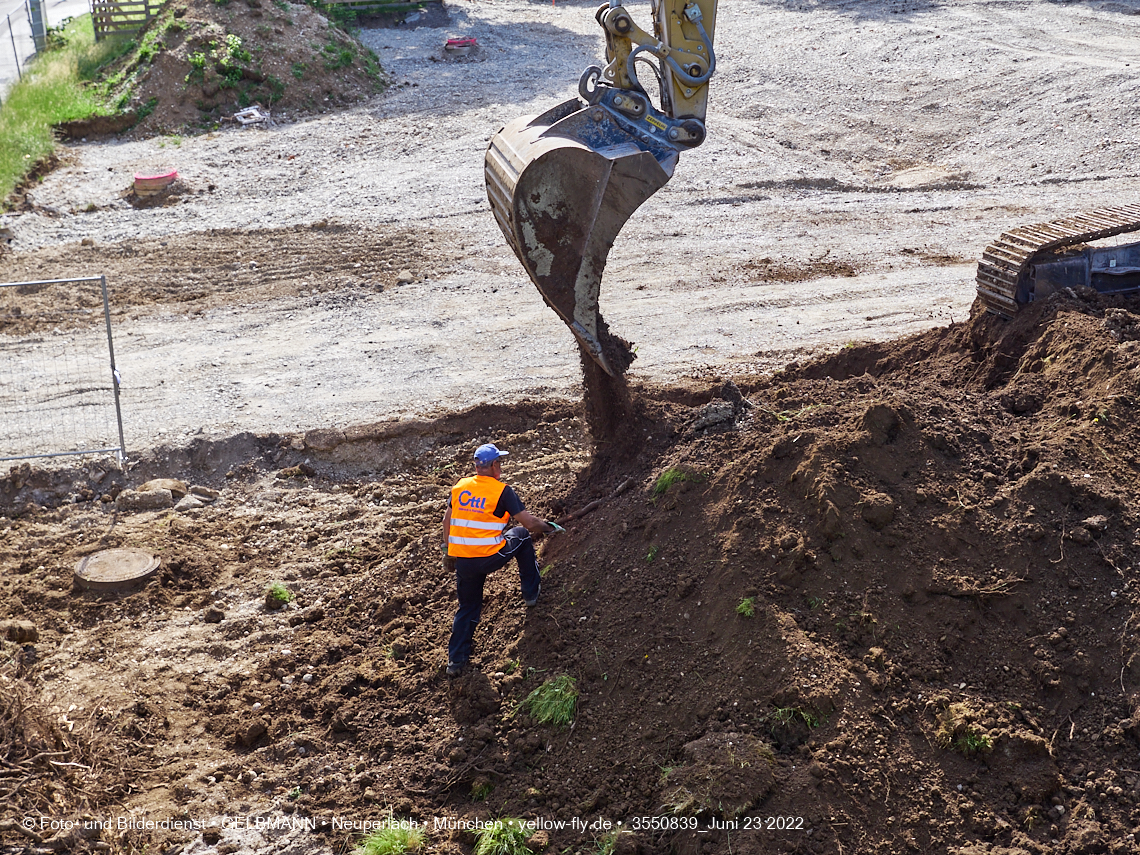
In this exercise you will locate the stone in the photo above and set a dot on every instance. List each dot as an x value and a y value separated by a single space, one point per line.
213 614
149 500
22 632
177 488
189 503
405 277
204 493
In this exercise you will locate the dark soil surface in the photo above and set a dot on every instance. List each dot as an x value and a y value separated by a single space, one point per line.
885 604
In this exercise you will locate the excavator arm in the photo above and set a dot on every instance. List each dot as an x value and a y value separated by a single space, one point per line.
562 184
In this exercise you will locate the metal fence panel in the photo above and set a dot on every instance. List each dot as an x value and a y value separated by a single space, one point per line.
17 46
59 389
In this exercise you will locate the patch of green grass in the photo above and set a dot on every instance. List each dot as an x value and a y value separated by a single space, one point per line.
746 607
957 731
393 839
50 92
542 573
608 844
503 837
338 55
784 716
299 69
667 479
146 109
789 415
554 701
277 595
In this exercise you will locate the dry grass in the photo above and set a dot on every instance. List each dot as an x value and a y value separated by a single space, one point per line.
55 765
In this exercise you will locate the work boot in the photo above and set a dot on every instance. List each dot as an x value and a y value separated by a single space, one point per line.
454 669
534 602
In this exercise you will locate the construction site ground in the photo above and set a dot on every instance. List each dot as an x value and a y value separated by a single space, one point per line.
930 514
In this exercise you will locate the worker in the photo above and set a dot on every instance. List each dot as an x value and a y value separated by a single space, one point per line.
477 542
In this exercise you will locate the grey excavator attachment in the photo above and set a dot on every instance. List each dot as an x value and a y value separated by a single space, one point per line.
561 186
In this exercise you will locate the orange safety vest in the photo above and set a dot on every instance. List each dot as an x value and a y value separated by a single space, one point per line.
475 531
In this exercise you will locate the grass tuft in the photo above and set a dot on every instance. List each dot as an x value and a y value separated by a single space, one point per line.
503 837
746 607
554 701
393 839
667 479
277 595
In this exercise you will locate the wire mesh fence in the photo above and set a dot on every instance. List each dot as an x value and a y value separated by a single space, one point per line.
59 389
17 43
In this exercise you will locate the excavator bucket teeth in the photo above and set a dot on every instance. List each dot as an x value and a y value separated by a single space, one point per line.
561 186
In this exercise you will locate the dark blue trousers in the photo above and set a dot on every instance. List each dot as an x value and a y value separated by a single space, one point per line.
471 573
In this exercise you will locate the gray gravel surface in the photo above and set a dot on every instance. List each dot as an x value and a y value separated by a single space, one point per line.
892 140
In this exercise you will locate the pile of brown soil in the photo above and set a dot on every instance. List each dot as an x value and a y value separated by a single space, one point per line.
884 603
200 61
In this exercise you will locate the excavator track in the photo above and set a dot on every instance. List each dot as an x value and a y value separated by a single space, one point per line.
1003 273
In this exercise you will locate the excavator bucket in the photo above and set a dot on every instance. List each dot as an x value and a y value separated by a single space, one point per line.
561 186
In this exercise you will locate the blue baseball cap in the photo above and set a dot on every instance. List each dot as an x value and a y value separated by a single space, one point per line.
488 454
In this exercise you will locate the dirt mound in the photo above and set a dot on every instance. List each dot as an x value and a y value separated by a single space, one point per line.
882 602
199 61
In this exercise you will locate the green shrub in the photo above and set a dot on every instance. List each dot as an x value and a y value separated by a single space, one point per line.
746 607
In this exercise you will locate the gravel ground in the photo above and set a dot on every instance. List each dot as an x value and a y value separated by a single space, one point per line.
886 140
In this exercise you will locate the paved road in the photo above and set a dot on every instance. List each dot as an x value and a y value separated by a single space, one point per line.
16 35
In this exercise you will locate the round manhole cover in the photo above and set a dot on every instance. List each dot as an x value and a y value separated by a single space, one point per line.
113 569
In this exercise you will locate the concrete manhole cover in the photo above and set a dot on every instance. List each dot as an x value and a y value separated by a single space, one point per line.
115 569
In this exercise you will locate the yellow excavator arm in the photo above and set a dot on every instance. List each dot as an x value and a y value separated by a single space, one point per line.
562 184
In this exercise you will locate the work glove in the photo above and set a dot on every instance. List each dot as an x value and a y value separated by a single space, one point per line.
448 560
555 528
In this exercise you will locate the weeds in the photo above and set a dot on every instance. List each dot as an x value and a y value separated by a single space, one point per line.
785 716
608 844
553 702
957 731
788 415
393 839
503 837
668 478
650 555
277 595
480 789
746 607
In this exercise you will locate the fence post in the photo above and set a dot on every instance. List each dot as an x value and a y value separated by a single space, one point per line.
114 371
15 52
37 20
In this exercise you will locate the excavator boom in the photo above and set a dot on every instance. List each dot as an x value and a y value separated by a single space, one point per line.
562 184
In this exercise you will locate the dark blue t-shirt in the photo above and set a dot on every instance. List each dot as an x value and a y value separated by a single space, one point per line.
509 502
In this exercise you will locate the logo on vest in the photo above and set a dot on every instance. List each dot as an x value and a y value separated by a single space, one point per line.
467 500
